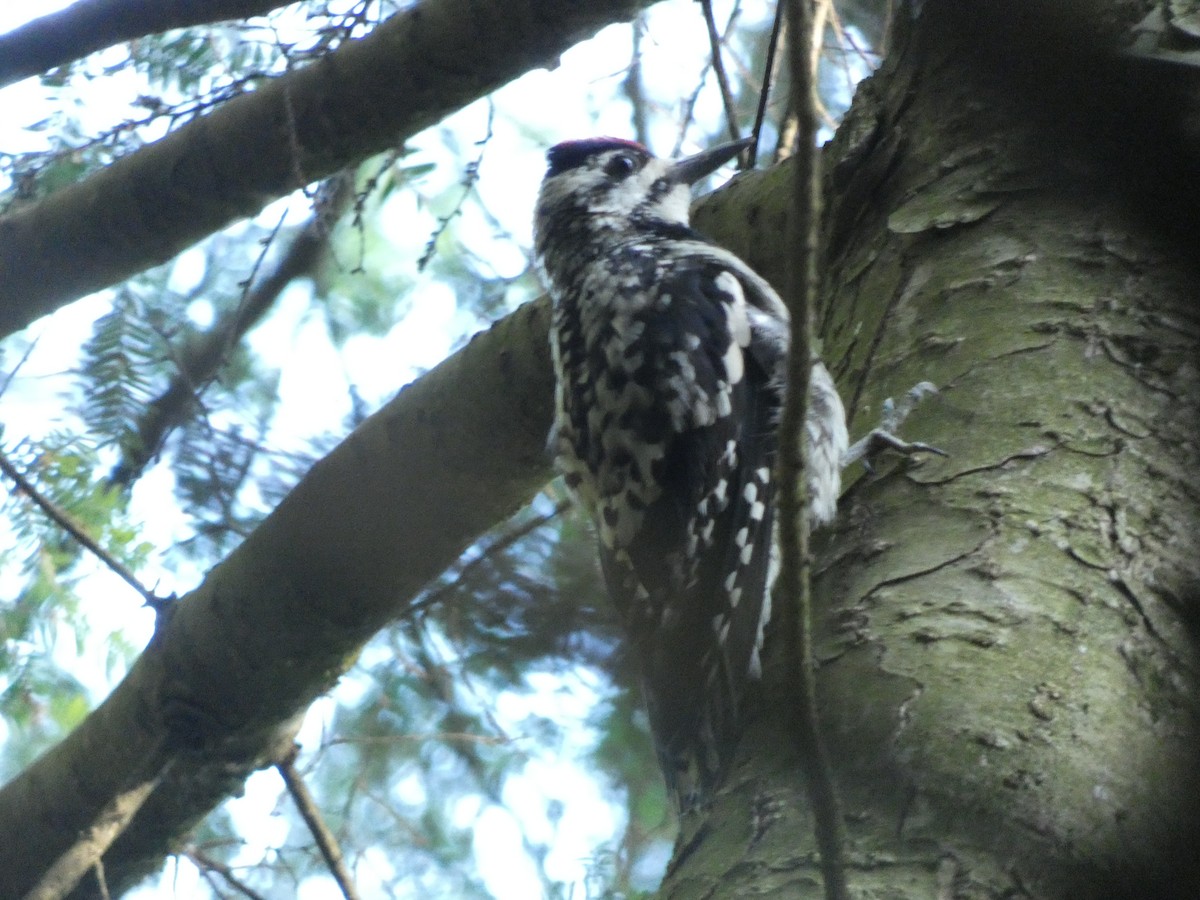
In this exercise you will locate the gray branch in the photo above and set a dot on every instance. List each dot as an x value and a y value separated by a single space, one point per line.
363 98
218 691
91 25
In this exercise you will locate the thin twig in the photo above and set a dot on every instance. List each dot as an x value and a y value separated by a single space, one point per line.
885 33
689 105
635 89
845 38
200 361
8 379
501 543
714 39
84 855
63 520
689 109
823 10
326 842
445 688
470 179
383 170
101 880
764 95
446 736
206 864
795 576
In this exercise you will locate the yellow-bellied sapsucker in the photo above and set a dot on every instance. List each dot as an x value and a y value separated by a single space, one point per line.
670 355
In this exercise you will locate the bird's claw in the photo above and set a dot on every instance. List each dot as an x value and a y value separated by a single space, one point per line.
884 437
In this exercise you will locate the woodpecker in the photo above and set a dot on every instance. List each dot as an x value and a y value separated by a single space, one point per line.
669 354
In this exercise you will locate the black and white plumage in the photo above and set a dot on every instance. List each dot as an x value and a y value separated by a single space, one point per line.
670 355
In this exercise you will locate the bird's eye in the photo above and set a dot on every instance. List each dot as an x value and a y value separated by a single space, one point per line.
620 166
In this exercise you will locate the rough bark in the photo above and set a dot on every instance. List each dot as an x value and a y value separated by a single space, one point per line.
1007 637
91 25
367 96
216 692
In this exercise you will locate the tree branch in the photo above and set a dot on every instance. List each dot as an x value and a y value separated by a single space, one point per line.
764 96
231 668
67 523
201 360
363 98
90 25
326 842
718 66
206 863
86 853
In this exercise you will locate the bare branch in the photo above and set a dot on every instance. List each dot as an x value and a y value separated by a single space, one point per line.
67 523
206 863
751 158
326 842
689 104
718 64
365 97
201 360
470 179
635 89
421 738
90 25
85 854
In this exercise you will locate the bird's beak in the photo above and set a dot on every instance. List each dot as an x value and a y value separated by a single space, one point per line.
693 168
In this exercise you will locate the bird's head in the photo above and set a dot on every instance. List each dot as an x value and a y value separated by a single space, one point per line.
609 184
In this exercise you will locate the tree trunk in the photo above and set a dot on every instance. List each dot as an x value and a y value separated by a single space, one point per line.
1007 637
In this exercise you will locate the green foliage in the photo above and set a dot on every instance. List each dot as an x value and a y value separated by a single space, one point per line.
39 700
62 469
189 60
115 366
41 704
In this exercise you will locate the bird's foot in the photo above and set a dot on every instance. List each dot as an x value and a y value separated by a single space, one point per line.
884 436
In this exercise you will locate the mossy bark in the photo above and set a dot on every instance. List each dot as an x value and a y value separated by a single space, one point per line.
1007 637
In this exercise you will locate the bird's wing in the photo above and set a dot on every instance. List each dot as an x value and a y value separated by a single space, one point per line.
691 580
